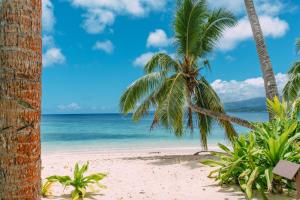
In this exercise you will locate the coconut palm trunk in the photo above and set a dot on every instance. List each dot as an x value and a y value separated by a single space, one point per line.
20 99
265 63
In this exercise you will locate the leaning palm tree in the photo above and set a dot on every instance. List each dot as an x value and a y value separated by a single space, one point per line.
292 87
174 86
265 63
20 95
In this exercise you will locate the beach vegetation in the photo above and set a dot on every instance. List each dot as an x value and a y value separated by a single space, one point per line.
174 86
253 156
79 182
292 88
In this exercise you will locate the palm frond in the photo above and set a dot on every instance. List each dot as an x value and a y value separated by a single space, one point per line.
163 62
218 21
139 89
190 14
292 87
155 98
171 110
208 99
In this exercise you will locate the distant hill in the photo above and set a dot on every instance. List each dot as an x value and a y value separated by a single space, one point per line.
250 105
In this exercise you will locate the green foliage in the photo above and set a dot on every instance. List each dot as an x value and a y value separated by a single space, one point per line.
251 161
79 181
292 87
170 82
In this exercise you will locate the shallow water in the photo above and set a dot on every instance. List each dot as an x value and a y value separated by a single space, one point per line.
114 131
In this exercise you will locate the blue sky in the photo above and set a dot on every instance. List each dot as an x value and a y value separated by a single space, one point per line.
93 49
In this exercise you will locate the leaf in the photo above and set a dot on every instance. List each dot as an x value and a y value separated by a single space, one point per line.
212 163
250 182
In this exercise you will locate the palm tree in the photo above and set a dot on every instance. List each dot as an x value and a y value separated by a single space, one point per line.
292 87
175 87
20 93
265 63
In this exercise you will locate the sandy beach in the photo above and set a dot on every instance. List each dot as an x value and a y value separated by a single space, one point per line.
161 174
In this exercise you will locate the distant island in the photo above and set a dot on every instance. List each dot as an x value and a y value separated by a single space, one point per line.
250 105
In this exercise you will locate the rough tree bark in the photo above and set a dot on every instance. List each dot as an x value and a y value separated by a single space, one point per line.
20 97
265 63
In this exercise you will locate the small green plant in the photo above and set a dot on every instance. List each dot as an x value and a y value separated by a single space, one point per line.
79 181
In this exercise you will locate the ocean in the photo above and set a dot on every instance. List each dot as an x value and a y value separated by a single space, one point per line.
96 132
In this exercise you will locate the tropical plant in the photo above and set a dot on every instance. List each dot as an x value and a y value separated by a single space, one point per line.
292 87
79 181
264 58
20 99
174 86
46 188
251 161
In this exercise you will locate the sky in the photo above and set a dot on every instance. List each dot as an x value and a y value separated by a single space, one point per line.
94 49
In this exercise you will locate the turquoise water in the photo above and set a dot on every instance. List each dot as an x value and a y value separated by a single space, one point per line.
114 131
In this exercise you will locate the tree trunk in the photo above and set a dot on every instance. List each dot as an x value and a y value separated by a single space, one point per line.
20 99
222 116
265 63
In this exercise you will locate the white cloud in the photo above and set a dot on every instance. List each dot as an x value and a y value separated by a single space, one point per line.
101 13
106 46
96 20
271 26
69 107
48 41
143 59
230 91
48 19
158 38
53 56
263 7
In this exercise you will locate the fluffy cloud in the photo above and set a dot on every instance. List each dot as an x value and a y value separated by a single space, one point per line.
264 7
233 90
106 46
53 56
268 11
102 13
271 26
158 38
96 20
143 59
48 18
69 107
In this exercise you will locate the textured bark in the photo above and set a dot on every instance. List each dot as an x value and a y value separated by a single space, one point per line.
265 63
20 97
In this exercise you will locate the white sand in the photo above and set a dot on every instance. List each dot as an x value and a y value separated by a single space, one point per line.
162 174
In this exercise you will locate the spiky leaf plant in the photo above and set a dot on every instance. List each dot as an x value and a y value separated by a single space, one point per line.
79 181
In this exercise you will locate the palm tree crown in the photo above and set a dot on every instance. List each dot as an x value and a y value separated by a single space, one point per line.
292 88
171 83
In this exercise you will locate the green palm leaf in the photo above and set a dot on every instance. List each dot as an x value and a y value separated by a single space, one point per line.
163 62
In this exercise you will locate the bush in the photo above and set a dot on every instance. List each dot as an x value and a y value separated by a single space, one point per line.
251 161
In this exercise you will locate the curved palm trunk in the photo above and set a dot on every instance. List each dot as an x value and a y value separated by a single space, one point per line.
20 93
265 63
222 116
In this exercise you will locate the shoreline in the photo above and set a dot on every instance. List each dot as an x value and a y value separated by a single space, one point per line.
143 174
131 150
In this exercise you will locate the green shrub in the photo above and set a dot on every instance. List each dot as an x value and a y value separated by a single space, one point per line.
253 156
79 181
